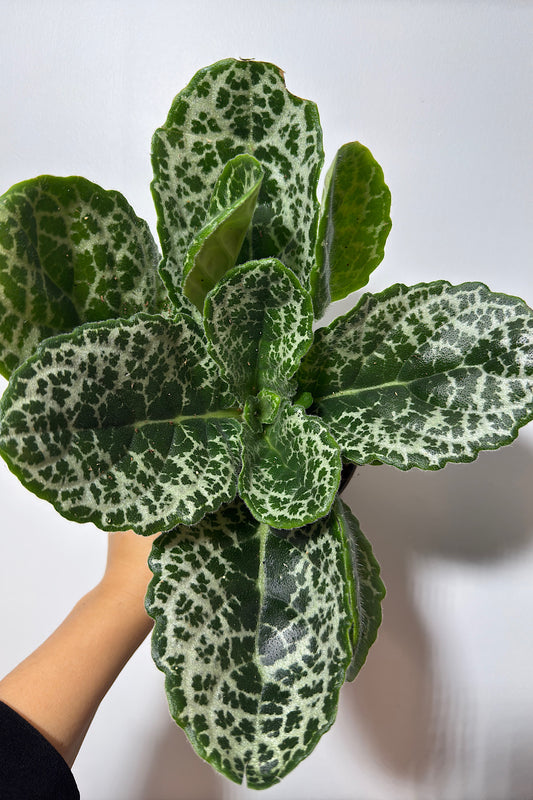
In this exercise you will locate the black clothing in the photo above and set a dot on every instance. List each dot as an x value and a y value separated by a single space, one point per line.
30 767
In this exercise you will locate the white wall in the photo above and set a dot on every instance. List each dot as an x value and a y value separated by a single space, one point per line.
441 92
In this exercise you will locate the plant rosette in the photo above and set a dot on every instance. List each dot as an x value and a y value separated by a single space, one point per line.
187 393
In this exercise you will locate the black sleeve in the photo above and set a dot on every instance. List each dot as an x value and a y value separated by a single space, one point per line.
30 767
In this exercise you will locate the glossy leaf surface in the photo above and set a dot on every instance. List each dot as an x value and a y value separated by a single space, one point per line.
229 108
215 248
125 424
258 321
367 588
291 469
423 375
354 225
252 632
70 252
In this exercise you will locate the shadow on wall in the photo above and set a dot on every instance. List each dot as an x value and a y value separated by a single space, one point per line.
477 513
176 772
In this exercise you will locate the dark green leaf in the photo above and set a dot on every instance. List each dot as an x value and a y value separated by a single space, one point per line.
125 424
367 588
229 108
215 248
253 634
423 375
70 252
258 320
354 225
291 470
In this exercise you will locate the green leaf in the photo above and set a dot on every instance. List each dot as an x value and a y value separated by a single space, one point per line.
367 588
423 375
262 409
125 424
291 471
258 320
70 252
354 225
253 634
229 108
215 248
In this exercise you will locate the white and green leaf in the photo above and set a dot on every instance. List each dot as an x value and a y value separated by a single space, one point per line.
258 321
215 248
354 225
291 470
252 632
229 108
367 589
70 252
424 375
125 424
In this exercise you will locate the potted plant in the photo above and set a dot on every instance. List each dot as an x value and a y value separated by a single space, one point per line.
190 393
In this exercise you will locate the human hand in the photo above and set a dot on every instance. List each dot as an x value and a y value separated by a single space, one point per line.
60 685
127 573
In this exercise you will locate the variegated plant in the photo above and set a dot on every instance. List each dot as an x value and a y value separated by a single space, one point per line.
195 398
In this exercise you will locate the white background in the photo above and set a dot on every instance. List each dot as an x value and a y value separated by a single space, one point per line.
441 92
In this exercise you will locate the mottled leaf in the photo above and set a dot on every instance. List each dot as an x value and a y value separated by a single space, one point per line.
229 108
423 375
70 252
367 590
253 634
215 248
125 424
354 225
258 320
291 470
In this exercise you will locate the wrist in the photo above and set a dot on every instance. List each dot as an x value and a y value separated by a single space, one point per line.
125 602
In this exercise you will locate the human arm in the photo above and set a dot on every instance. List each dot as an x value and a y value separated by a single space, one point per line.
59 687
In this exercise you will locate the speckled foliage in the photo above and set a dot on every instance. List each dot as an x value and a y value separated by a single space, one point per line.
420 376
124 424
203 404
259 325
215 248
253 630
290 470
230 108
70 252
